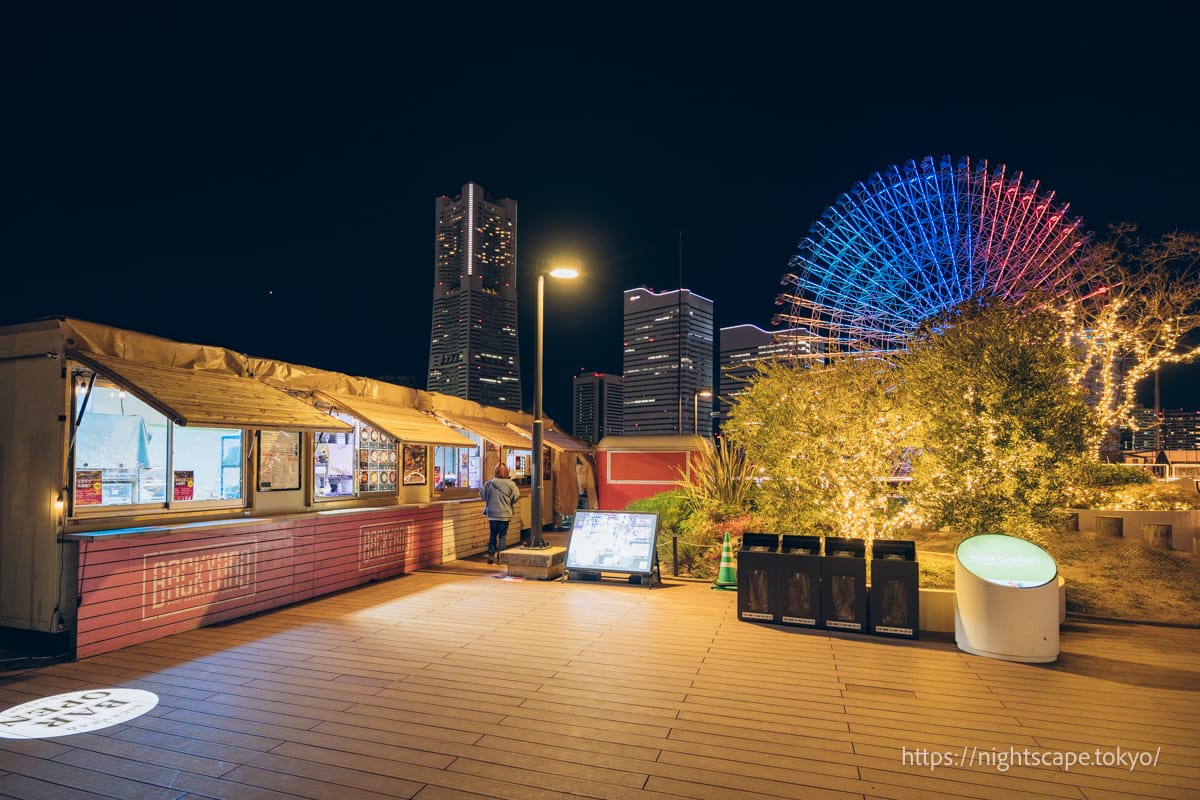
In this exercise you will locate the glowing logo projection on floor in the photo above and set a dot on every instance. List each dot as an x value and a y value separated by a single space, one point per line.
74 712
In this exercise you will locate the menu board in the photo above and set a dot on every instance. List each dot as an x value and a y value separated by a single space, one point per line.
378 470
278 460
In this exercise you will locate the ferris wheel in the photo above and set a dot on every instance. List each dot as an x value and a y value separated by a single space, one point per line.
917 239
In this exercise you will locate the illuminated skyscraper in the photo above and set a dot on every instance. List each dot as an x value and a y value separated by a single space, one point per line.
598 406
668 361
744 347
473 350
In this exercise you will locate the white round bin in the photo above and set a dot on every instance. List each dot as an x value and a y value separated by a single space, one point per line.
1006 599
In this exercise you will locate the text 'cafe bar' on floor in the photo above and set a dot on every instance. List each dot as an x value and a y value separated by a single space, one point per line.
150 486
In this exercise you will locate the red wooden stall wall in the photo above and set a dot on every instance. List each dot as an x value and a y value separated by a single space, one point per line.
624 476
142 586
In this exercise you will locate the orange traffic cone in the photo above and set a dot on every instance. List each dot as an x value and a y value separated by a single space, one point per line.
727 574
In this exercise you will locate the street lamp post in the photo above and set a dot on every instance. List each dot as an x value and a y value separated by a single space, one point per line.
706 393
535 484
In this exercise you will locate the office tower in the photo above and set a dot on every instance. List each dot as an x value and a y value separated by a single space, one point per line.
473 342
598 406
1181 429
668 362
743 347
1170 429
1143 438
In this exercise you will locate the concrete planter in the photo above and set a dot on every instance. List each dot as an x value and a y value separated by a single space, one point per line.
1184 526
937 610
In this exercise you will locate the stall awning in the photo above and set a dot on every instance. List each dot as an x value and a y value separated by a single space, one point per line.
553 439
493 431
400 422
211 399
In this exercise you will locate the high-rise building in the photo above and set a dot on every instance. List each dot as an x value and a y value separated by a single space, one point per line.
473 350
743 347
598 406
1181 430
668 362
1169 429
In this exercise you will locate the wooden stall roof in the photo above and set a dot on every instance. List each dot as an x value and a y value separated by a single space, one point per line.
654 442
211 399
401 422
552 438
491 430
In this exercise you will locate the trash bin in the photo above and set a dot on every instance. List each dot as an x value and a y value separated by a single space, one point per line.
755 565
895 595
798 581
844 585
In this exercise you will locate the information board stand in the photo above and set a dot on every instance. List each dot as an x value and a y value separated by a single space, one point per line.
621 542
1005 599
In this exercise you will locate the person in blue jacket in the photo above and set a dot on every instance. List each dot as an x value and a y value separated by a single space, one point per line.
500 496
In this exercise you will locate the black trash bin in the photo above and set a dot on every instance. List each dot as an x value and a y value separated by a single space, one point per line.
844 585
798 581
895 599
755 565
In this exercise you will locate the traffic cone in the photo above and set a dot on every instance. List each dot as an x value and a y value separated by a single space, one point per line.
726 575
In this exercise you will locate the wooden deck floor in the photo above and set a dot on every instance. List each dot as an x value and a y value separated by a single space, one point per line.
450 683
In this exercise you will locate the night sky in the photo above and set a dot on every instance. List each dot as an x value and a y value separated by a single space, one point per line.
261 176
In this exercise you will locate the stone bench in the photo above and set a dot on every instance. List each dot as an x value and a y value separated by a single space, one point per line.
544 563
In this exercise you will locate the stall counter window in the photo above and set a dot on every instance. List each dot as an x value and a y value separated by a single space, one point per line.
459 470
363 461
129 457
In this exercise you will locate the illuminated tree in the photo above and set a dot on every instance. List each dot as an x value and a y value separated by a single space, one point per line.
1139 323
1003 422
827 441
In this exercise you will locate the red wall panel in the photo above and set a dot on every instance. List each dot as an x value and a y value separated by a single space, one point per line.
140 586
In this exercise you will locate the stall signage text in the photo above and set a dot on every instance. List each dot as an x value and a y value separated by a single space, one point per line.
181 580
382 545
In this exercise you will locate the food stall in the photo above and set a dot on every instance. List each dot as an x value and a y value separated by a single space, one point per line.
154 486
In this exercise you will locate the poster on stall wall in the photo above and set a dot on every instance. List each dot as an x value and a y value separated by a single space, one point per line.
414 464
185 484
278 460
88 487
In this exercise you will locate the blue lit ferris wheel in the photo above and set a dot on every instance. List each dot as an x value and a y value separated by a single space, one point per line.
917 239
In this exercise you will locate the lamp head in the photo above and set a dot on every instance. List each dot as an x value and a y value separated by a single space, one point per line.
565 269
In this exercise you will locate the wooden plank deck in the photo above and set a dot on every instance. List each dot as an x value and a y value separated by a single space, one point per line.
448 683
